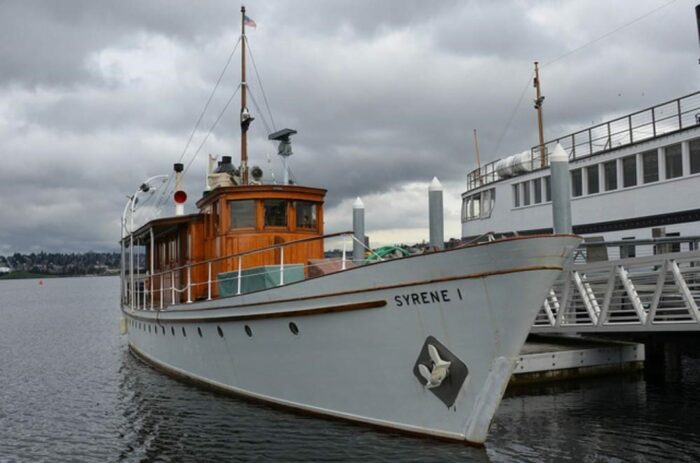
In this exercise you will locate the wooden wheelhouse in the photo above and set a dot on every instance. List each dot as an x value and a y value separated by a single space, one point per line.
237 229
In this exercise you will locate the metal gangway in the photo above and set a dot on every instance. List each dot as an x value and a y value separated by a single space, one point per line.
626 286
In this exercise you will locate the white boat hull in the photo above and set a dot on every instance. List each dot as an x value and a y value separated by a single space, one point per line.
360 333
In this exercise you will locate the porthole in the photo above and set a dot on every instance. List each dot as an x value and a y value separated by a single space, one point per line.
248 331
221 333
172 330
184 333
199 330
293 328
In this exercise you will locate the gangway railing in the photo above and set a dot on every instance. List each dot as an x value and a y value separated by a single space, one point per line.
657 292
664 118
203 280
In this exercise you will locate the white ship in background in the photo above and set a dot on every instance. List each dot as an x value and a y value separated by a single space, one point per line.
629 175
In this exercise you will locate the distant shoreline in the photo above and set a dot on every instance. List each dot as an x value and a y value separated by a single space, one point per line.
38 276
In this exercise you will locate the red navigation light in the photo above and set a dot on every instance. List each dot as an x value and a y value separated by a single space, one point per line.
180 197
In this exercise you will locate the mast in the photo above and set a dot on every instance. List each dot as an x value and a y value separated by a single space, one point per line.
478 157
245 115
538 106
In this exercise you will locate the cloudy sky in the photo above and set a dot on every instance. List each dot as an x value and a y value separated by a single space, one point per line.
96 96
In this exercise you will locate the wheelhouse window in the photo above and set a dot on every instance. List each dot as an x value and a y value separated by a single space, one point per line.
650 166
576 183
215 217
674 161
275 212
548 188
478 206
592 180
474 207
306 214
516 195
488 198
694 151
629 171
537 187
610 174
242 213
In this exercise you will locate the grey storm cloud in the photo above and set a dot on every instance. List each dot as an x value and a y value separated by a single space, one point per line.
96 96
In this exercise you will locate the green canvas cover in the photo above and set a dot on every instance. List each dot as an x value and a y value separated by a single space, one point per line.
258 278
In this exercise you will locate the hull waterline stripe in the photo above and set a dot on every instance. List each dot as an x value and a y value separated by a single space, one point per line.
285 313
158 315
298 408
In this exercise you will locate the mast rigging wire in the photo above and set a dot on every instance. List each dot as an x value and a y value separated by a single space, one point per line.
570 52
211 129
162 197
608 34
262 89
211 95
206 137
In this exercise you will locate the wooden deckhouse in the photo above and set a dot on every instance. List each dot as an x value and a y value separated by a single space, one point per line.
250 221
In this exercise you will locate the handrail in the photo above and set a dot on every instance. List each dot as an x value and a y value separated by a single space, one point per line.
599 138
644 241
643 294
143 285
254 251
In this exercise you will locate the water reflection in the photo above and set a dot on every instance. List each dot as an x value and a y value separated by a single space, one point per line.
172 420
70 391
600 419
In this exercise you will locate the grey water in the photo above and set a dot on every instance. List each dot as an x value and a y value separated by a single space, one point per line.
70 391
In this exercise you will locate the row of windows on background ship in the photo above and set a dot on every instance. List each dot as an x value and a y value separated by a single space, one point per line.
665 163
637 169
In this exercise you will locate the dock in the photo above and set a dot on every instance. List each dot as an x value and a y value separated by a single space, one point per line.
551 358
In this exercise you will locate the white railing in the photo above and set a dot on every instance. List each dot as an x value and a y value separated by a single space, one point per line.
182 285
652 293
664 118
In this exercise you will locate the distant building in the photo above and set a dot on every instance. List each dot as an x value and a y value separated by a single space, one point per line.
4 270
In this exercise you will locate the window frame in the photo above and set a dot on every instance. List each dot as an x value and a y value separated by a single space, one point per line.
231 216
677 158
265 216
537 190
576 176
610 181
646 156
314 215
694 150
625 161
589 178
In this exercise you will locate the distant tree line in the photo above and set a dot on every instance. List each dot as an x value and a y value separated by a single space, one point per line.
52 263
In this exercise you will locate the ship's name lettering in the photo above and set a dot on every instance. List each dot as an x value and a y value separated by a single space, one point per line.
422 298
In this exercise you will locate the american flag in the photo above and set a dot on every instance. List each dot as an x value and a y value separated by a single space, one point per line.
249 22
